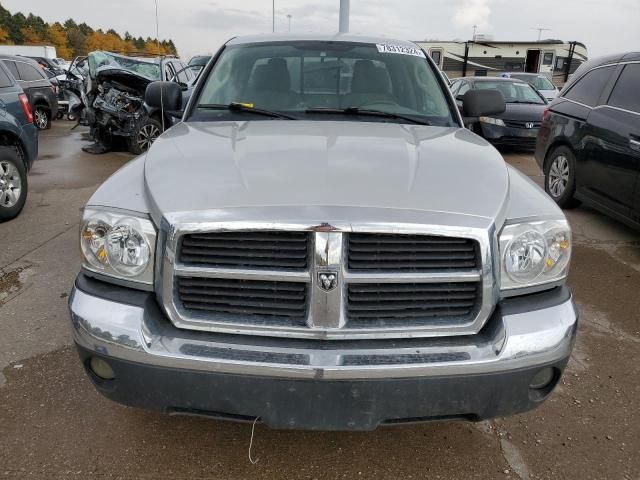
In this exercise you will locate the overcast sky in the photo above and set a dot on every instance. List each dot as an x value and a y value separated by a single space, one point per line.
200 26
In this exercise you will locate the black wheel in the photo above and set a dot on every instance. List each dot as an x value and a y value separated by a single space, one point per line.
144 135
60 115
560 176
42 118
13 183
71 117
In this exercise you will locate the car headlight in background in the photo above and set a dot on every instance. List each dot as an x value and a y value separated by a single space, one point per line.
534 254
118 245
492 121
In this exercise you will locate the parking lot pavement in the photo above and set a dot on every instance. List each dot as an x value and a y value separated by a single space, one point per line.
54 425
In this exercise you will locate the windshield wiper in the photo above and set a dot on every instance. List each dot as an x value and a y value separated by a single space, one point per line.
527 102
364 111
245 107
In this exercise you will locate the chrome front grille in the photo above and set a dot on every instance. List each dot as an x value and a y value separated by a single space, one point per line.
255 301
269 250
410 253
437 282
411 304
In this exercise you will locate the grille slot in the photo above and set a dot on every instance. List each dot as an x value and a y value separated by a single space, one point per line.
410 253
521 124
245 301
411 304
259 250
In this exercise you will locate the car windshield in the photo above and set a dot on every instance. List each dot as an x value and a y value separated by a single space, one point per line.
304 79
514 92
540 82
100 59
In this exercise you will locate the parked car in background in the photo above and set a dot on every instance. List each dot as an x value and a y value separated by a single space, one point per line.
51 64
39 90
589 142
199 62
18 145
518 125
536 80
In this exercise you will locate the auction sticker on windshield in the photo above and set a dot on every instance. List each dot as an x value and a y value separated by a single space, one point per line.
400 49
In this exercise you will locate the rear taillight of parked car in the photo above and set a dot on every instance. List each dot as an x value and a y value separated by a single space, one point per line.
26 107
546 113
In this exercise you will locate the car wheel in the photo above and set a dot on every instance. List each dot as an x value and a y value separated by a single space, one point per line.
41 118
560 177
13 184
144 135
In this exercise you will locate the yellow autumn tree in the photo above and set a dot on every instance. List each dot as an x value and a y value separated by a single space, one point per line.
4 36
58 38
30 36
151 48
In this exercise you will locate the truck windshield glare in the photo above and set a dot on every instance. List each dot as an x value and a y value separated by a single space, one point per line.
300 79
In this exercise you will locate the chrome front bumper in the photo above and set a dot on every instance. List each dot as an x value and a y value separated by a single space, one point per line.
522 333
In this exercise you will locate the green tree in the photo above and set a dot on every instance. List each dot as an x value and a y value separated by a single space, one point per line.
17 23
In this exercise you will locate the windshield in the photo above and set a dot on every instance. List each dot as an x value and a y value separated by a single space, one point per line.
539 82
144 68
302 76
514 92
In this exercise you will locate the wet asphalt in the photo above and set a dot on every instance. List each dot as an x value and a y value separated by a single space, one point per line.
53 425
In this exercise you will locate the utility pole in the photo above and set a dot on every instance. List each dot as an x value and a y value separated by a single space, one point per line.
273 16
540 30
345 6
289 17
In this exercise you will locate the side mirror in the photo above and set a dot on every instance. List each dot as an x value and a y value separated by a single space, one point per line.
166 95
482 103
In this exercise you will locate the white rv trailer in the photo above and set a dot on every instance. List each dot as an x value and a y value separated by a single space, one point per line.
554 58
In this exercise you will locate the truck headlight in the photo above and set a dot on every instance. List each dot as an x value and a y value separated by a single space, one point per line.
118 245
534 254
492 121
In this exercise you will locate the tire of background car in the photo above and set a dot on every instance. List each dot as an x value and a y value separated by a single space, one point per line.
42 117
560 176
13 183
145 133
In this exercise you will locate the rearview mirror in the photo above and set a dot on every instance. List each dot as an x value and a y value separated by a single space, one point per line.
482 103
166 95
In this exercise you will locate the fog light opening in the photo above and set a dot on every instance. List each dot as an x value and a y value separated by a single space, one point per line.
542 379
101 368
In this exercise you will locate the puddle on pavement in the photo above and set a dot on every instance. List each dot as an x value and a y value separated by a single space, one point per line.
12 281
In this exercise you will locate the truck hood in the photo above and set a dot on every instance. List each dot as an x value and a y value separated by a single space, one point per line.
221 165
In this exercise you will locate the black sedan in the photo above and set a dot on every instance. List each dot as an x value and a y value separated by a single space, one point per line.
589 143
519 124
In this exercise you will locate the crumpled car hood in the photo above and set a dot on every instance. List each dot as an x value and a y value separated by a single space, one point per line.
217 165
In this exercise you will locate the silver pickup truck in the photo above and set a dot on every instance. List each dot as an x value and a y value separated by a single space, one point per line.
322 244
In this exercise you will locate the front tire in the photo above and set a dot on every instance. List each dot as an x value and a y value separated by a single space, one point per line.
13 184
560 177
144 135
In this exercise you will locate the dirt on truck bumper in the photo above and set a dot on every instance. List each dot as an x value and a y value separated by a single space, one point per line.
511 366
